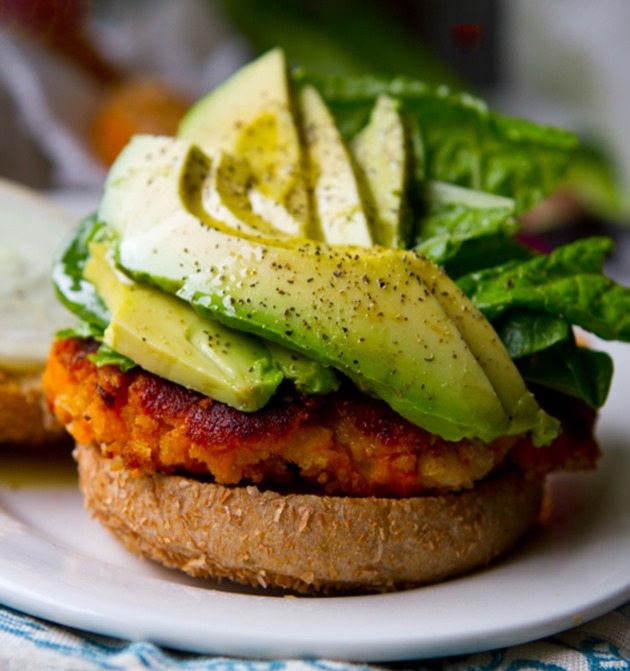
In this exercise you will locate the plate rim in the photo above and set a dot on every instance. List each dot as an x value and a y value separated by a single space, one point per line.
22 548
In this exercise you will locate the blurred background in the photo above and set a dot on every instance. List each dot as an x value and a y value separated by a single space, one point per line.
79 77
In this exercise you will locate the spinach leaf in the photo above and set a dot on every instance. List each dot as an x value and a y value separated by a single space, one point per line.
78 295
566 283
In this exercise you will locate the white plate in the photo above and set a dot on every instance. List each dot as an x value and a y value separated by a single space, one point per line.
58 564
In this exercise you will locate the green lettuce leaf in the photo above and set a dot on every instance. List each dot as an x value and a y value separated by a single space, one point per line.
566 283
485 251
83 330
454 216
106 356
448 227
78 295
525 332
462 141
572 370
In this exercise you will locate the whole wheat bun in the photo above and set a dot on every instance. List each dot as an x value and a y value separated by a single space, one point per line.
306 542
24 416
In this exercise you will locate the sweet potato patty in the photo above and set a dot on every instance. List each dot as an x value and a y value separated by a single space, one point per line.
344 443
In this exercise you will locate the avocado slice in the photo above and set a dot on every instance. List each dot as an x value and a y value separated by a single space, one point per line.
366 312
166 337
250 115
163 335
519 404
225 195
335 193
380 154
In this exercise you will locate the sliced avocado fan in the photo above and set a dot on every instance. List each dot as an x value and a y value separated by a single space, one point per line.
372 313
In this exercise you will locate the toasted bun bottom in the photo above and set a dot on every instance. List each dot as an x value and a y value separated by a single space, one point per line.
24 417
307 542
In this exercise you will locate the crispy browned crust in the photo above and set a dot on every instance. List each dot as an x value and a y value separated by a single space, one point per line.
24 416
304 542
344 442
